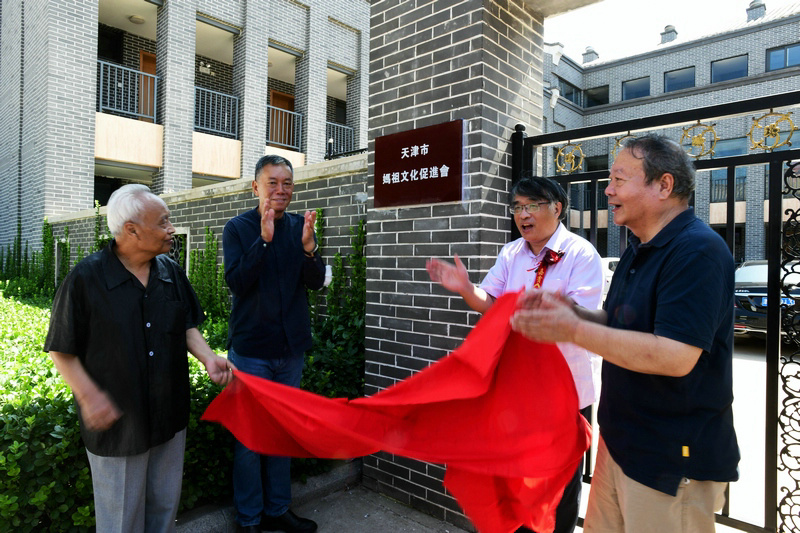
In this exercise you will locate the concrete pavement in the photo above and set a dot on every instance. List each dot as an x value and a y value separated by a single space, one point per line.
338 503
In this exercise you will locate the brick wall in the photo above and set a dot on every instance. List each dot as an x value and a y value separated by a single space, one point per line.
11 84
430 63
331 186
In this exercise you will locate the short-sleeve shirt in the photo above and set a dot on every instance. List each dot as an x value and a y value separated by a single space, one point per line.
132 342
578 275
660 429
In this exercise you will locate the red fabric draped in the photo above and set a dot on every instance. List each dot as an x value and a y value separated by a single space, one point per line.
500 411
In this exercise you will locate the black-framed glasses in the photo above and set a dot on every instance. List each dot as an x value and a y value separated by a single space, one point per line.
530 208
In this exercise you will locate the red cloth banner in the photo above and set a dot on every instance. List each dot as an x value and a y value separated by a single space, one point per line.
501 412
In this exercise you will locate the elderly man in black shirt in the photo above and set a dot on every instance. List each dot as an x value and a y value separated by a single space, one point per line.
121 325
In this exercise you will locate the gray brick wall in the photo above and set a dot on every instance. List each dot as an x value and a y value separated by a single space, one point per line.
175 66
431 63
332 186
250 66
56 107
311 88
11 86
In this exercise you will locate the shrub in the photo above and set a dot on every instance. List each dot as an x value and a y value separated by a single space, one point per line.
45 483
335 363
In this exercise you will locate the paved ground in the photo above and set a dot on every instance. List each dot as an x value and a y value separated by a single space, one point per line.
338 503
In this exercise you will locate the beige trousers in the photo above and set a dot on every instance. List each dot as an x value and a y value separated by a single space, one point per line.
618 504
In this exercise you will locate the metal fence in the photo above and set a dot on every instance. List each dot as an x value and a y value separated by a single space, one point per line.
126 91
782 411
216 112
284 128
340 138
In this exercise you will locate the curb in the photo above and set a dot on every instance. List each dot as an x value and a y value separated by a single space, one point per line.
221 519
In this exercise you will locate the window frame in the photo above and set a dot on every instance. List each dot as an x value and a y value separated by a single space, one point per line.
694 78
574 90
588 100
624 98
746 68
785 52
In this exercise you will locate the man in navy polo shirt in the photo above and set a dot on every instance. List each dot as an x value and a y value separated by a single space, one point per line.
667 443
271 259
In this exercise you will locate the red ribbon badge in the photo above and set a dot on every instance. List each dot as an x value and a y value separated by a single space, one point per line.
551 257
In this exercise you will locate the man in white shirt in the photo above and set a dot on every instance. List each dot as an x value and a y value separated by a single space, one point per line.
546 256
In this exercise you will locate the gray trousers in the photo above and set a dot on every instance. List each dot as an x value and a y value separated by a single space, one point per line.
139 493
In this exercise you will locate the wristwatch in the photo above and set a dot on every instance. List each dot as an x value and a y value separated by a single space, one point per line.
312 252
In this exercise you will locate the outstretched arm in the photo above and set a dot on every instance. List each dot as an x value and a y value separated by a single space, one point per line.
219 369
552 318
455 278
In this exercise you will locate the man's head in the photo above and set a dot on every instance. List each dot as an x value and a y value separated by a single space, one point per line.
273 184
659 156
139 219
652 179
538 204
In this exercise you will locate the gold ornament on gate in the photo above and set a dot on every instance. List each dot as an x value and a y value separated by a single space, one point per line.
569 158
771 128
618 144
699 139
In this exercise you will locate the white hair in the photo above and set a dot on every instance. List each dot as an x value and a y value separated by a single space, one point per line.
127 204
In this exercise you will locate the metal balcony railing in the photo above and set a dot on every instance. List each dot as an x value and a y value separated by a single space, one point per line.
719 186
126 91
340 138
216 113
284 128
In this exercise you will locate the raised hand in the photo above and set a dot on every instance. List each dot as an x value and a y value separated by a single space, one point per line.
310 218
454 278
268 225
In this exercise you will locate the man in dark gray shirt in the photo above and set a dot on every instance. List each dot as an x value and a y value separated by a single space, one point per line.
121 325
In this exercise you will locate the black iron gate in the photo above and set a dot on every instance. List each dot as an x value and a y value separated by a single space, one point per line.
769 145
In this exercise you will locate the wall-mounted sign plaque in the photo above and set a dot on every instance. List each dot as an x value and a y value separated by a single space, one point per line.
421 166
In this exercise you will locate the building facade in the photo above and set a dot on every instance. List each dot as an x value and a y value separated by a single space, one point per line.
176 95
758 56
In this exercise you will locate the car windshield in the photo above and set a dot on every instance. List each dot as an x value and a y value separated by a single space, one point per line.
758 274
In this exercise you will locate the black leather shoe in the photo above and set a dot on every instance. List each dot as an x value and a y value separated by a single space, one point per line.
248 529
288 522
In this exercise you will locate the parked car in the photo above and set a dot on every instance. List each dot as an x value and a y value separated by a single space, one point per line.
750 297
609 266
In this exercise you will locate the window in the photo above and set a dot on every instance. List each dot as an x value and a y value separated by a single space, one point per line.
729 69
596 162
596 96
679 79
636 88
783 57
719 177
569 91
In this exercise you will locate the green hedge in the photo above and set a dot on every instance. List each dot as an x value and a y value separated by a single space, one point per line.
45 483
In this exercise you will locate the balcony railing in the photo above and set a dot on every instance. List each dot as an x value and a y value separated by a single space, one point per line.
340 138
284 128
216 113
126 91
719 186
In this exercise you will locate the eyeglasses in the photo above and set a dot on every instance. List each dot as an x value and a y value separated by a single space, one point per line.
530 208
